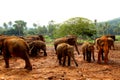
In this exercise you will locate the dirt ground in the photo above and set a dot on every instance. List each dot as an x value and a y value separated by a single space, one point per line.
47 68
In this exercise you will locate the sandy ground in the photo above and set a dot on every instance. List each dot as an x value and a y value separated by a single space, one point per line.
47 68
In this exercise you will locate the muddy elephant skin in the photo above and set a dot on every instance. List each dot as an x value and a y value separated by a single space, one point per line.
103 49
14 46
69 39
88 51
65 50
36 46
34 37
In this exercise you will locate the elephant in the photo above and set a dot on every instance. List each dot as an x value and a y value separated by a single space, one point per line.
72 40
88 50
35 37
14 46
64 50
103 47
35 47
110 41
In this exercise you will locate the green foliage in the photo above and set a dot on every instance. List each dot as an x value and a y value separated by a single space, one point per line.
77 26
42 30
19 27
118 37
112 27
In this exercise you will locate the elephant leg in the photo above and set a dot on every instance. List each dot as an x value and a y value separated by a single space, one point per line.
77 49
113 46
6 56
102 54
59 61
34 52
93 56
74 61
83 55
6 62
88 55
59 58
69 60
99 54
27 62
106 58
45 53
64 60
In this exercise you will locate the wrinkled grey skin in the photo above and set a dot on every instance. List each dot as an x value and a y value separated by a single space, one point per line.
64 50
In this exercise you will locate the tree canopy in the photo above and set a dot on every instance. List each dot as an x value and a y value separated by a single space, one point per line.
78 26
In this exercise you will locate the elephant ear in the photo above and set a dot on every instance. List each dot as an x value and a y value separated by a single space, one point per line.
100 42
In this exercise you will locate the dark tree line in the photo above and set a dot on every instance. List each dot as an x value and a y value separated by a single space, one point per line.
79 26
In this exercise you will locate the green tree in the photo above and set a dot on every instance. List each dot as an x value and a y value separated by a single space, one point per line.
42 30
51 28
77 26
10 23
117 29
19 27
35 25
5 25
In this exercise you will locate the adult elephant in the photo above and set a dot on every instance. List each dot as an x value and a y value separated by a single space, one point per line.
34 37
71 39
63 50
110 41
14 46
103 48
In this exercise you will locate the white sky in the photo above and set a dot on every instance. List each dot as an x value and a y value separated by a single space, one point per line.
42 11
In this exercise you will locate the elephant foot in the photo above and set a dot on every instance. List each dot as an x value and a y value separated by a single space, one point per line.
98 62
28 67
45 54
76 64
7 66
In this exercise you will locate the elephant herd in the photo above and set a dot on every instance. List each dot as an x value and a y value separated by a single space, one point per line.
25 47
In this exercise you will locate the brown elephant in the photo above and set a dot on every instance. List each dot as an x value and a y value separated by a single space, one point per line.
36 46
64 50
88 50
34 37
14 46
110 41
103 47
72 40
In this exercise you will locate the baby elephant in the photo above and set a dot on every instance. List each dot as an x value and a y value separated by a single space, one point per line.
63 50
35 47
88 49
